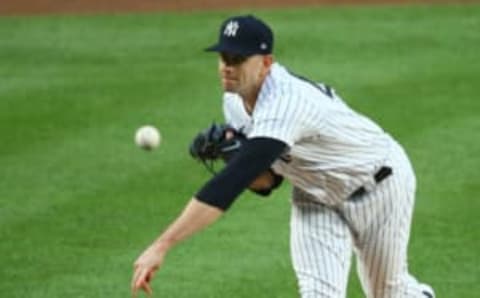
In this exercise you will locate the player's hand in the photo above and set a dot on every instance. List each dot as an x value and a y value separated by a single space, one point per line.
144 269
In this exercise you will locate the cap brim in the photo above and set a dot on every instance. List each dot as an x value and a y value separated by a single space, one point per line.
214 48
223 48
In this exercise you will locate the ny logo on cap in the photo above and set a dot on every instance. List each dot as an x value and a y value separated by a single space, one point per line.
231 28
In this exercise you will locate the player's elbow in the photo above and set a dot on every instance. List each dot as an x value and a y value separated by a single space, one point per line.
265 183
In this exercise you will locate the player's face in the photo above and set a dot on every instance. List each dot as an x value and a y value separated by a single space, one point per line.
243 75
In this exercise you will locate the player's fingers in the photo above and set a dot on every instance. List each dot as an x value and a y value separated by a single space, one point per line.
132 282
143 282
150 276
135 276
133 291
147 288
228 134
139 278
142 277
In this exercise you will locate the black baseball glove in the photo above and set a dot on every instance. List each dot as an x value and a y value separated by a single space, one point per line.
219 141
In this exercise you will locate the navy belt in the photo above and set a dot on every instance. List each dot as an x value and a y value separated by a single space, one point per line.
379 176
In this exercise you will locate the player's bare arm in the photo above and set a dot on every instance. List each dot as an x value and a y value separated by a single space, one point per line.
215 197
196 216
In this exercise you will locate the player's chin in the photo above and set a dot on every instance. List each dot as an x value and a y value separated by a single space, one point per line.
229 85
227 88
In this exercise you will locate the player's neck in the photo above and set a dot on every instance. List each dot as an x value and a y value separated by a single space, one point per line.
250 96
249 106
249 100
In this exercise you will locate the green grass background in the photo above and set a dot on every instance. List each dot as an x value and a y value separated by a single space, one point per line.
79 202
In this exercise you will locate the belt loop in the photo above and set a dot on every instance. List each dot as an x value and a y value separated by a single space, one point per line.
383 173
379 176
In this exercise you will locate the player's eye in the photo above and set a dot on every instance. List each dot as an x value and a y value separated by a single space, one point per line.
233 59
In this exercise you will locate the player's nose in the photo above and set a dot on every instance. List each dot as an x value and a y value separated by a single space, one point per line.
227 70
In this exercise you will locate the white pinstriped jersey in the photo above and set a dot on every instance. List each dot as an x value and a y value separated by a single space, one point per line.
333 150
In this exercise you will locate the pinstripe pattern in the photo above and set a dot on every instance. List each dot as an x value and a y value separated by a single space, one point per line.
320 248
333 152
333 149
382 222
376 226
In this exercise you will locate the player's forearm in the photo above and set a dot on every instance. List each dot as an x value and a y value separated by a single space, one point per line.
196 216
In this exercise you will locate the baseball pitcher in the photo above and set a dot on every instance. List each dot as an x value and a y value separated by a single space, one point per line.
353 185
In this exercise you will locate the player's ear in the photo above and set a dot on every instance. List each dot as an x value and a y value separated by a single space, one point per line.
267 60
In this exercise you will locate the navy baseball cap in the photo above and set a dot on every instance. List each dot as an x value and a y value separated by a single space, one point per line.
244 35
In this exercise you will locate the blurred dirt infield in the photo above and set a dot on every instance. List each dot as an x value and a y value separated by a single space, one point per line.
29 7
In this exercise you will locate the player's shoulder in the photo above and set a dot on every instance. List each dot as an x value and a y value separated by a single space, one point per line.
286 84
283 87
277 86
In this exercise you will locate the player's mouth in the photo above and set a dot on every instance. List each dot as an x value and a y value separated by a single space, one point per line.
228 82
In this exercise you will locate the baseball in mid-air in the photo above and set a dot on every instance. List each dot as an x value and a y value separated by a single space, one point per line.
147 137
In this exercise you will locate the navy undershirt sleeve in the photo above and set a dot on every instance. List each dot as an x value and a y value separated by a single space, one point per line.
255 157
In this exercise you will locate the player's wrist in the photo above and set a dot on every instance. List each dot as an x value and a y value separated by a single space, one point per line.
162 245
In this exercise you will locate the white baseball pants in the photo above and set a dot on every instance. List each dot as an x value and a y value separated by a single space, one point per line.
375 227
